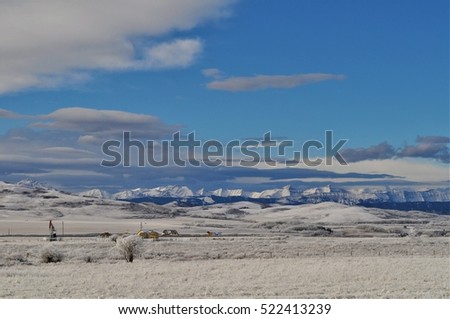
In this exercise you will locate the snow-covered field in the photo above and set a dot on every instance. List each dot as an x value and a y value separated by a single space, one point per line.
325 250
230 267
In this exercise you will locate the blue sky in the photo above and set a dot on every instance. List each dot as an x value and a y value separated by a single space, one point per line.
372 71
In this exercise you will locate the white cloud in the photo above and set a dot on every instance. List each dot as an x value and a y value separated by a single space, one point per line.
405 169
52 42
65 173
179 53
10 115
416 170
260 82
213 73
103 123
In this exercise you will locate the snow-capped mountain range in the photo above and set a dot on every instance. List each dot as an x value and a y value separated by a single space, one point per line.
432 200
286 192
435 200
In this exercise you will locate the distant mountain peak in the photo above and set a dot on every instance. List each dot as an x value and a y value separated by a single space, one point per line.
33 184
175 191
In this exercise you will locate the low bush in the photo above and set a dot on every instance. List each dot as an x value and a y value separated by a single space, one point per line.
129 247
51 255
89 259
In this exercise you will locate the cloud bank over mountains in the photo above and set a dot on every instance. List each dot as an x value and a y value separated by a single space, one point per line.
64 147
433 147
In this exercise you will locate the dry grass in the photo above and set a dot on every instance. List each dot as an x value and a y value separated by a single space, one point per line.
234 267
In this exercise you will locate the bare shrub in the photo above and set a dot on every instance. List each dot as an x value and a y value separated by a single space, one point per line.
89 259
17 259
129 247
51 255
114 238
235 212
